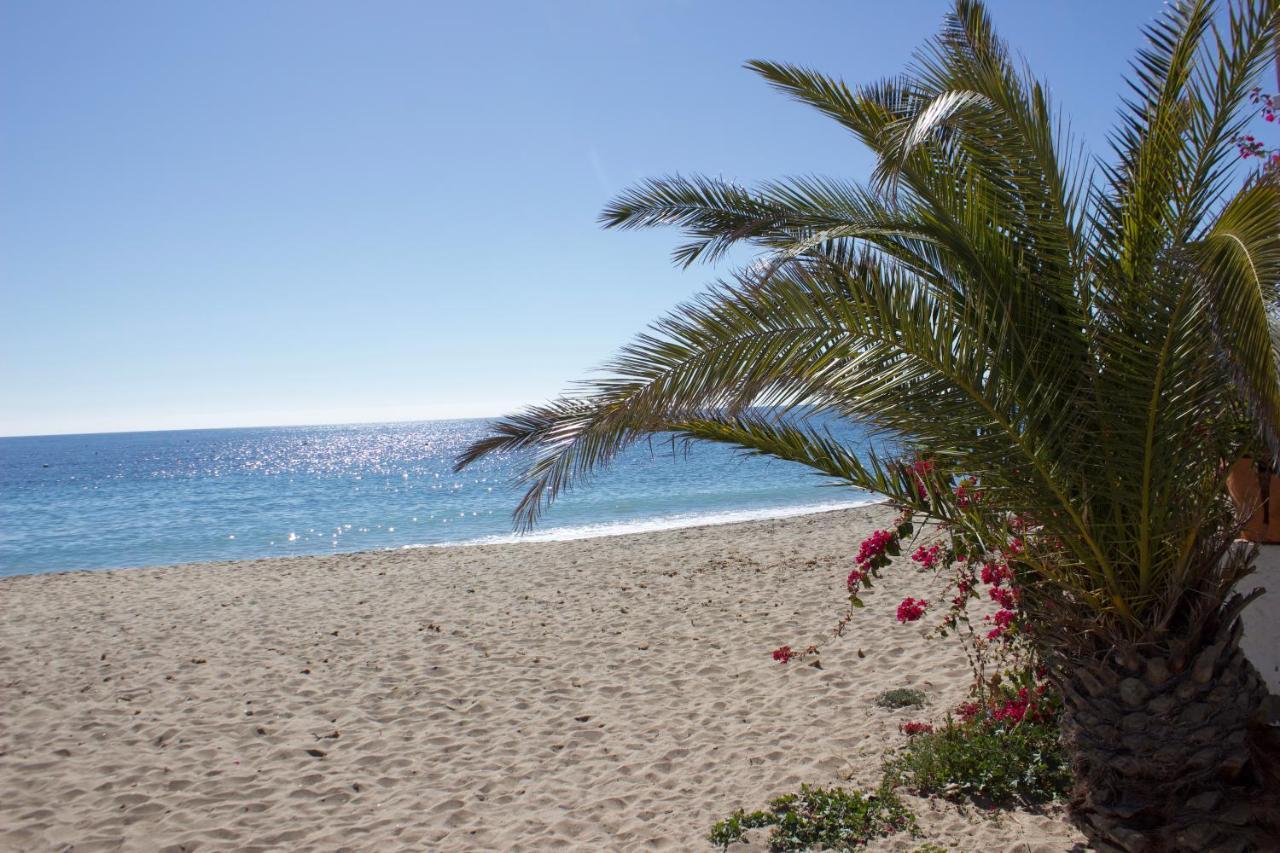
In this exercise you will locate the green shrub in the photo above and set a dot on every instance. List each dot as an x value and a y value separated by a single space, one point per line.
984 759
902 697
827 818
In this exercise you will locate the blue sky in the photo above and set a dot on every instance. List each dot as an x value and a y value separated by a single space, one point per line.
221 214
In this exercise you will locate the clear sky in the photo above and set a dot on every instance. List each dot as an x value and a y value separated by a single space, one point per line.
246 213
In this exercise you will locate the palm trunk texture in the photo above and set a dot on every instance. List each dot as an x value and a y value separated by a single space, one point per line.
1174 750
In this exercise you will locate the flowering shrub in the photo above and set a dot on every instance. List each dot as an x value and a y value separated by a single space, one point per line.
1003 744
1003 750
1000 639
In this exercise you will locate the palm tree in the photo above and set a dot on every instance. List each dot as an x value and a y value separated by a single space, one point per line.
1083 338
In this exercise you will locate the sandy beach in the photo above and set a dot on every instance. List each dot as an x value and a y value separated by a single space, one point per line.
603 694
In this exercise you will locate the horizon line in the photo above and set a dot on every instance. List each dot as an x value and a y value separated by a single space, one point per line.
249 426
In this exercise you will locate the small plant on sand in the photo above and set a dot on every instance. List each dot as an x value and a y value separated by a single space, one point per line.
901 697
823 818
1007 751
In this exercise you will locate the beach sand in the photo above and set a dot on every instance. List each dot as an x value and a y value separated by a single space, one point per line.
603 694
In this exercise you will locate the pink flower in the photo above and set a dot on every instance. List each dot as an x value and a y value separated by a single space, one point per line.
995 573
928 557
1002 596
782 654
967 493
911 609
875 546
1003 619
1013 710
919 470
855 579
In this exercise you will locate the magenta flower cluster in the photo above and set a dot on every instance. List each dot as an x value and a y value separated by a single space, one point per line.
875 547
929 558
911 609
1249 145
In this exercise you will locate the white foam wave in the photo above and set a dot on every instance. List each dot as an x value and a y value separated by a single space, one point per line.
650 525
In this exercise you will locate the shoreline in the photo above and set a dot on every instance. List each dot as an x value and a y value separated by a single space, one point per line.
658 524
613 693
569 533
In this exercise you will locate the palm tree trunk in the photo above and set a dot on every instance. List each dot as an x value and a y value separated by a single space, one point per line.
1171 750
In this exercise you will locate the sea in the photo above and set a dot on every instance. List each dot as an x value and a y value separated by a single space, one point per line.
115 500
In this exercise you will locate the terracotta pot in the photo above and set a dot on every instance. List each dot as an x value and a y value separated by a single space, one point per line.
1246 484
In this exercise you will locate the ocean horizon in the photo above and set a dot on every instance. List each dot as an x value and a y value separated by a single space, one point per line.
133 499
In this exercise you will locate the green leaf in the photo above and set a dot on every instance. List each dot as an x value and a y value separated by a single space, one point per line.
1090 347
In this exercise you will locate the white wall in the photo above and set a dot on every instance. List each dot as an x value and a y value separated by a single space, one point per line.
1261 640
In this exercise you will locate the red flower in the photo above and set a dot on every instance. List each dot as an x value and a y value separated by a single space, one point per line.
1002 596
919 470
911 609
875 546
995 573
967 493
855 578
1013 710
1003 619
928 557
915 728
782 654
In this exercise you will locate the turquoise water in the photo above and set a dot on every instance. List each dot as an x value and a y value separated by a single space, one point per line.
153 498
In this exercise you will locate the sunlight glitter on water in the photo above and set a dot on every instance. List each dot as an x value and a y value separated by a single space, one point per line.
100 501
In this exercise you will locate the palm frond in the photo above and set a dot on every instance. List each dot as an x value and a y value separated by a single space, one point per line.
1239 261
1083 347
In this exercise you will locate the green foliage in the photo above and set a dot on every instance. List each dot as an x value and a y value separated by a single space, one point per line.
930 848
985 760
901 697
1077 336
824 818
